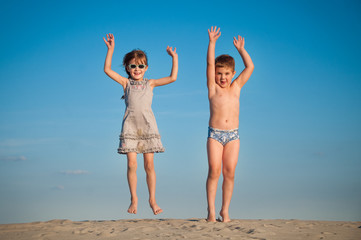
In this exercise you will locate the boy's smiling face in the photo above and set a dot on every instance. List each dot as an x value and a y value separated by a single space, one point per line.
224 76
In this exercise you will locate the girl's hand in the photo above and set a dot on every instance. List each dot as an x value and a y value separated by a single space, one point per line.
171 52
109 41
238 43
214 34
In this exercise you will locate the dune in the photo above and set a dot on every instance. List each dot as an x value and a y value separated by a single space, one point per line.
181 229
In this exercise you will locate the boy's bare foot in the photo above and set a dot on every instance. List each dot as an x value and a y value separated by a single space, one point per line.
133 206
225 216
211 216
156 209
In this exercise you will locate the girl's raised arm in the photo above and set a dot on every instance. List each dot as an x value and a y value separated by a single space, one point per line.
109 41
173 76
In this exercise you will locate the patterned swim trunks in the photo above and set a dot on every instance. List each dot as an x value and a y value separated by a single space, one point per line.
223 136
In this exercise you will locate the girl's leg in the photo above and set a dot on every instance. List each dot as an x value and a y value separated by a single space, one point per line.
132 181
151 181
214 151
230 159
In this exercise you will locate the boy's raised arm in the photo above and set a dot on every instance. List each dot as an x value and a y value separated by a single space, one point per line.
247 61
108 61
213 34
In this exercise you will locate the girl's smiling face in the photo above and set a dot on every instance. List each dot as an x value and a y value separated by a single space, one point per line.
136 73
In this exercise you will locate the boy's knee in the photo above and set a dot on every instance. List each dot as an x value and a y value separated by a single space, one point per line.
214 173
228 174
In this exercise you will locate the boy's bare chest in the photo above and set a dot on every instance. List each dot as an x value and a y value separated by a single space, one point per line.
225 99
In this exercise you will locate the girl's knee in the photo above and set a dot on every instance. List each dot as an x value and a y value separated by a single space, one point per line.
149 162
149 166
132 165
132 160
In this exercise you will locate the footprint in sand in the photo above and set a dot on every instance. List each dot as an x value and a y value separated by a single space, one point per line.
82 231
105 234
41 236
251 231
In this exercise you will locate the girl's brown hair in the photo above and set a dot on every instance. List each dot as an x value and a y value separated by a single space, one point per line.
138 55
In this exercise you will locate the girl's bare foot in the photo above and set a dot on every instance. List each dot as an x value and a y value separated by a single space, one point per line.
133 206
156 209
225 216
211 216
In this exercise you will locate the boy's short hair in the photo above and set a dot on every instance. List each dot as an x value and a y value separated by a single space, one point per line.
225 61
139 56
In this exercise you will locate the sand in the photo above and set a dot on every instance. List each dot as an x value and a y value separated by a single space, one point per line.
182 229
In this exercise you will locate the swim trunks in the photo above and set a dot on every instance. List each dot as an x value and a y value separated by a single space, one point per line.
223 136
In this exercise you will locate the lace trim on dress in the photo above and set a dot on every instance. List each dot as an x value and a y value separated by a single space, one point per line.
139 82
138 136
149 150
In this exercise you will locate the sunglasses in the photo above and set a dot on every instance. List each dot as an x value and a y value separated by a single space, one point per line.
140 66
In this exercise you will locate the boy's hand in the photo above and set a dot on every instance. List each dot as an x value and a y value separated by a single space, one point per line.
238 43
214 34
171 52
109 41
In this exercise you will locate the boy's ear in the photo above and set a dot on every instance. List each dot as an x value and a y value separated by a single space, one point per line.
234 73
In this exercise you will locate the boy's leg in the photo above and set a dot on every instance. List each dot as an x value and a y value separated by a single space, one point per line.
132 181
230 159
151 181
214 151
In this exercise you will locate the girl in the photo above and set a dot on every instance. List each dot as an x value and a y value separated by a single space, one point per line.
139 129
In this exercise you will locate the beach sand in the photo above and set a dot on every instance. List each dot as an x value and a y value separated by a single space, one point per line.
181 229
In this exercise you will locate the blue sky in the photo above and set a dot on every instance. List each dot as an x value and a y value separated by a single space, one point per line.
60 115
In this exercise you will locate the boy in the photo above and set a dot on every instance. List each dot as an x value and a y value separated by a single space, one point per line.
223 138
